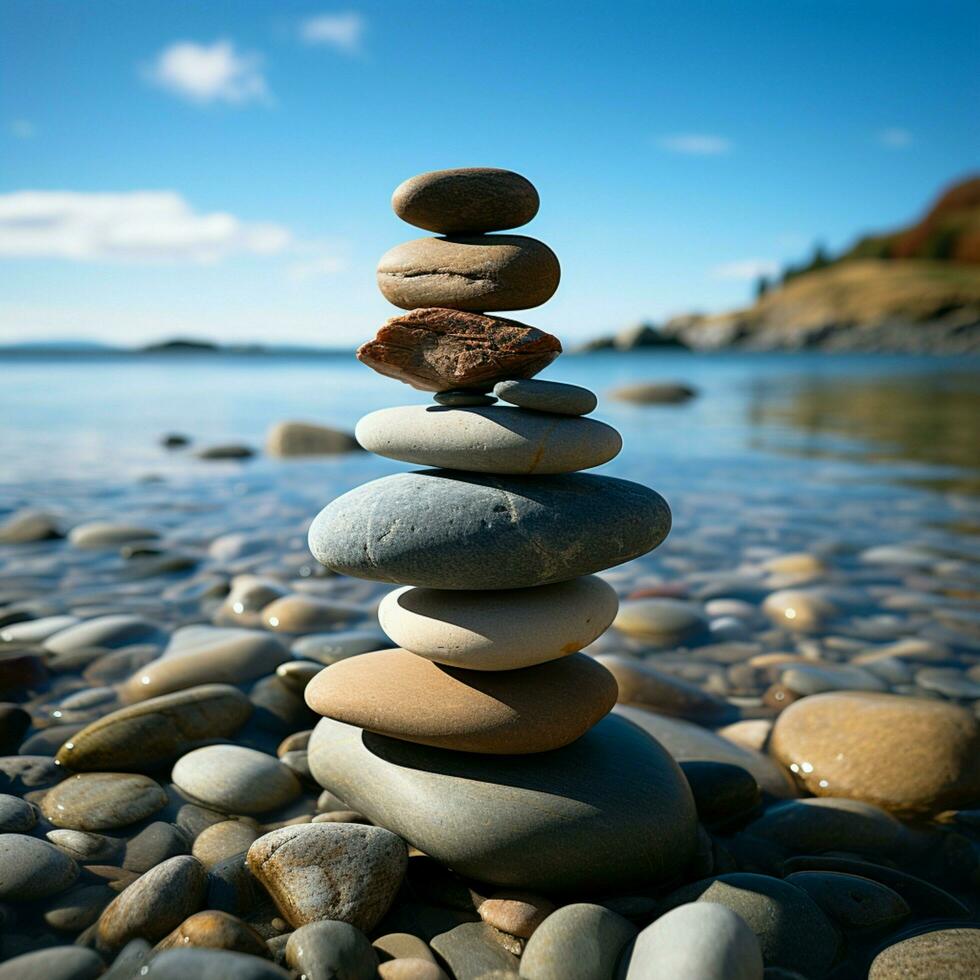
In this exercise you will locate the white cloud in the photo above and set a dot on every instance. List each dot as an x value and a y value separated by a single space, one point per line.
341 31
327 263
745 270
136 226
697 144
894 138
23 129
209 73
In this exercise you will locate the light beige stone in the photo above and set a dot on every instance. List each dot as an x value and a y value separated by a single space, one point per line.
493 439
499 629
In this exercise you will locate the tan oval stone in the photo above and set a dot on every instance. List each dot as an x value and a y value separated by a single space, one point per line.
466 199
102 800
394 692
499 629
155 903
492 439
480 273
798 610
216 656
156 730
223 840
516 913
909 755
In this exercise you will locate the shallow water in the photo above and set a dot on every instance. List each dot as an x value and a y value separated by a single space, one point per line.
868 466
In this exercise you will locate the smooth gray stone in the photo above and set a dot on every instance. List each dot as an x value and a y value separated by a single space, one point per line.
924 898
700 941
609 811
328 648
133 956
449 530
828 823
155 843
109 632
16 815
851 901
56 963
576 942
792 930
547 396
471 951
332 950
495 439
211 964
32 868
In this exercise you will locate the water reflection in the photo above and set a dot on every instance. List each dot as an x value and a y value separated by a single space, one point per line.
931 419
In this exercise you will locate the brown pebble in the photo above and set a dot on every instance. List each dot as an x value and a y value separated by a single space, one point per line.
516 913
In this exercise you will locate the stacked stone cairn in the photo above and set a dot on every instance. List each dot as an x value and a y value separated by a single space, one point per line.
485 739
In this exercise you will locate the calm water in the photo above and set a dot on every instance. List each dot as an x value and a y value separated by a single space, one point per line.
882 419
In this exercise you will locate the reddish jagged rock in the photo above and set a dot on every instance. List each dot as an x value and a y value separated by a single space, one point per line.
436 349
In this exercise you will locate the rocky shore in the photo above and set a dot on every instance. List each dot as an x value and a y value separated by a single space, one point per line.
471 751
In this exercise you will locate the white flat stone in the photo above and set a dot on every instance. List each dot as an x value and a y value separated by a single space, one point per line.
499 630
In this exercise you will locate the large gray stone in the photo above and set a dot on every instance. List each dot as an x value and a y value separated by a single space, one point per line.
492 439
449 530
611 810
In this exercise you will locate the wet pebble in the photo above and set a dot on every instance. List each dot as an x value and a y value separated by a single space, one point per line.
332 949
32 868
235 779
102 800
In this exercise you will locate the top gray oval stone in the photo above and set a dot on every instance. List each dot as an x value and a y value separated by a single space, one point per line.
450 530
547 396
466 199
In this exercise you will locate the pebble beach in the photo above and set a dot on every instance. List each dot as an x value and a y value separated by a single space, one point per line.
728 726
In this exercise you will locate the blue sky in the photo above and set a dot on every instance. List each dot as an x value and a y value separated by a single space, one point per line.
224 169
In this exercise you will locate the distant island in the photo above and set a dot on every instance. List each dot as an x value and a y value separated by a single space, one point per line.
912 290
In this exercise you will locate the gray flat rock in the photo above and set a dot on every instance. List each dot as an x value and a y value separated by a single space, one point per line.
448 530
609 811
546 396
